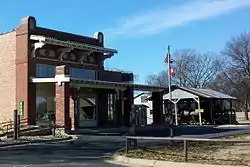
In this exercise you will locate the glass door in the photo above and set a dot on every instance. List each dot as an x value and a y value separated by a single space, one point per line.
45 107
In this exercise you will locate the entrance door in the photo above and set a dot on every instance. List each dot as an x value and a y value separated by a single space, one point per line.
87 112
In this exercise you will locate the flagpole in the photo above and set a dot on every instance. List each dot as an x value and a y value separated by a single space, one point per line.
169 76
169 86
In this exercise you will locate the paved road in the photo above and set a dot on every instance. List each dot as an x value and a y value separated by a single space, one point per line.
88 150
82 152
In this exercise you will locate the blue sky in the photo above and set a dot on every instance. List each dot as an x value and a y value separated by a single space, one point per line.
139 29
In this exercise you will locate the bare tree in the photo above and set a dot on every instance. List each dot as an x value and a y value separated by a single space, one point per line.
192 69
160 79
238 50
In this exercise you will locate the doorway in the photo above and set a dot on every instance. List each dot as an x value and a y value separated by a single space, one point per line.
87 112
45 103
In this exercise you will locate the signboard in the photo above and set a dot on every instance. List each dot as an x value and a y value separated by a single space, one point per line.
21 109
199 110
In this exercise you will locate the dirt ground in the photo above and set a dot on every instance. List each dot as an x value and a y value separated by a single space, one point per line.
200 152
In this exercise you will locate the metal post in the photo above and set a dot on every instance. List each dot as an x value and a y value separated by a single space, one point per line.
53 123
169 76
15 132
133 126
172 131
169 84
176 113
18 126
199 107
127 145
185 150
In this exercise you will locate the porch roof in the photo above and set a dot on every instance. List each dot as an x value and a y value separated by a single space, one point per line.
114 85
187 93
72 44
99 84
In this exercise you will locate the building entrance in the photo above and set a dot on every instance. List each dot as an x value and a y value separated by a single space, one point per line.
45 103
87 111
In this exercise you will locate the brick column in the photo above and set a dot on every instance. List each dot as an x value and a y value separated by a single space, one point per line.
25 68
157 99
65 114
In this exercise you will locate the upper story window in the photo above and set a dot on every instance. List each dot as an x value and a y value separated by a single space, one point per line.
82 73
144 99
45 71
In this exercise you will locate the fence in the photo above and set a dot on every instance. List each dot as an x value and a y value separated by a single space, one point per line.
180 139
8 126
13 128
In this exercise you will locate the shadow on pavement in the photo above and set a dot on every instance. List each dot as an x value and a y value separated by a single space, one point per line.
87 153
163 131
88 150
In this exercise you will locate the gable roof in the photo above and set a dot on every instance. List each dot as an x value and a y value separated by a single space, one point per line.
185 93
140 94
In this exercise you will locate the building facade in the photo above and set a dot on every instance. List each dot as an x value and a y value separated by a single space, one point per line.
47 72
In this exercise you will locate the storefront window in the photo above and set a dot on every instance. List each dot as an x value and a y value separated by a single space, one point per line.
45 71
83 73
45 102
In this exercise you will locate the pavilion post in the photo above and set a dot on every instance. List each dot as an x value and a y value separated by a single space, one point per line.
231 111
199 109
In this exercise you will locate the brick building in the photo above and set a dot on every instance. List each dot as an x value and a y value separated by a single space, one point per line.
48 72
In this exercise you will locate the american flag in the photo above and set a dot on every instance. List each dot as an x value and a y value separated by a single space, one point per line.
166 59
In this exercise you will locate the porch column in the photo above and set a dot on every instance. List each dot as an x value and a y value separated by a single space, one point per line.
211 111
64 102
157 99
128 102
118 108
102 107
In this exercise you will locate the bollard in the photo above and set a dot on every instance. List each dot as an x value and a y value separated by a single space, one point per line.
18 126
133 126
127 145
53 122
185 150
171 133
15 133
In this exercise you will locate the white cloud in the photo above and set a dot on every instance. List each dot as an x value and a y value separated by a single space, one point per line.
163 18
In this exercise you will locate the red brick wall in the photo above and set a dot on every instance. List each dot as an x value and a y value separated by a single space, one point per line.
64 102
7 75
25 68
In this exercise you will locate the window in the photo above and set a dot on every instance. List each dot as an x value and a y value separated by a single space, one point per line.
45 71
82 73
144 99
111 106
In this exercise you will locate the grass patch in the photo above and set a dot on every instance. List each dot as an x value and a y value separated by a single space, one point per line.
222 153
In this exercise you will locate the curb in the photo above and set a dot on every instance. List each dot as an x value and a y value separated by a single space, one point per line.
67 139
158 163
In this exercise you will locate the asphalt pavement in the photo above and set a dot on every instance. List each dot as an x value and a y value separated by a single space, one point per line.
88 150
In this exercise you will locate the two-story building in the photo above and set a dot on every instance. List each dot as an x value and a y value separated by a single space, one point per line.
44 72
